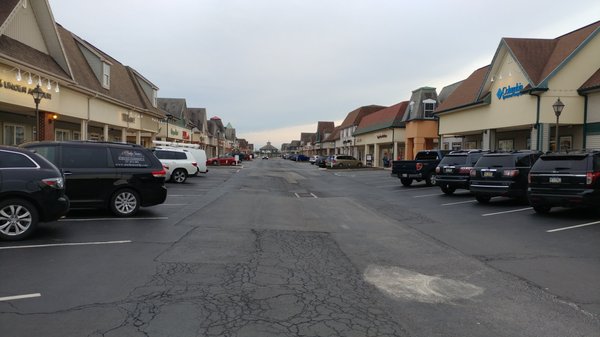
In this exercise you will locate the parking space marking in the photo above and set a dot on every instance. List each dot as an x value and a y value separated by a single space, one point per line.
314 196
511 211
427 195
111 219
572 227
459 202
172 204
19 297
183 195
68 244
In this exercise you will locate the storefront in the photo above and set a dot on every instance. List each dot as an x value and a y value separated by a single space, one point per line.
508 105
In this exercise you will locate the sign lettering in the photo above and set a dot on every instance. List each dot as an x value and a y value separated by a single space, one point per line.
21 89
508 92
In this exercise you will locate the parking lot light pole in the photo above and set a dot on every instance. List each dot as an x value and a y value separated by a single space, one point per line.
167 117
558 107
37 94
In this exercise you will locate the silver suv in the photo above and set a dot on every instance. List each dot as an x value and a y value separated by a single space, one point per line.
343 161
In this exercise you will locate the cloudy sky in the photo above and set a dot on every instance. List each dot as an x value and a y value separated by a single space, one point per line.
273 68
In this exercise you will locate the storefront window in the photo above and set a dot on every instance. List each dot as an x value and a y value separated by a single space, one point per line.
506 145
76 135
13 134
60 134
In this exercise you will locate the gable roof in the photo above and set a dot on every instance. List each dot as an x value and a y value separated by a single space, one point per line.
593 83
175 106
354 117
323 129
390 117
335 135
307 137
467 93
6 8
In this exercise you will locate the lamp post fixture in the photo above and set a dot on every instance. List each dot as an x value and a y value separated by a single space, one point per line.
558 107
37 94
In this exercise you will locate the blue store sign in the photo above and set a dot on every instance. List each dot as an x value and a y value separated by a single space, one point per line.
508 92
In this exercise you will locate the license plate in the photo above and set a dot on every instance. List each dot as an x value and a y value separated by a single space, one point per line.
404 175
488 174
554 180
448 170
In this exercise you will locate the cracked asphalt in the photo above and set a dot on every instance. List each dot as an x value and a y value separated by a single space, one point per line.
278 248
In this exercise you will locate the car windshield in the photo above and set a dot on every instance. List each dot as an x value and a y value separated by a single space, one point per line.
561 163
496 161
452 160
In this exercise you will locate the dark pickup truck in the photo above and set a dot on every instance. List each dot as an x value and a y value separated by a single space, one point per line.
422 168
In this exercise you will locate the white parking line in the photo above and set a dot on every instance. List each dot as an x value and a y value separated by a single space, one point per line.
459 202
19 297
314 196
68 244
511 211
427 195
172 205
571 227
183 195
112 219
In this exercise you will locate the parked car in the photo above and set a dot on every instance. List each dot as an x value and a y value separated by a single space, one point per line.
223 159
566 180
198 154
120 177
321 161
265 157
453 171
32 190
344 161
422 168
502 174
313 159
300 157
180 161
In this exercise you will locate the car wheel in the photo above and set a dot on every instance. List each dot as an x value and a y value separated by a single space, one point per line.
406 181
340 165
359 165
483 199
179 176
447 189
232 163
18 219
215 163
125 202
542 209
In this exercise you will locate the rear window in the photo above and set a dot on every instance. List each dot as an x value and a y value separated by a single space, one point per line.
452 160
496 161
48 152
130 158
562 163
426 156
15 160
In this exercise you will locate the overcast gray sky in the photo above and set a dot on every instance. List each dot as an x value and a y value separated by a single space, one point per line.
273 68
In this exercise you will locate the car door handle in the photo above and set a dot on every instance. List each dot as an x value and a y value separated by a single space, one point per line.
67 173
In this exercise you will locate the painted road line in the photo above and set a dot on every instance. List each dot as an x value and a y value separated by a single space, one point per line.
314 196
459 202
183 195
19 297
572 227
172 204
69 244
111 219
427 195
296 194
511 211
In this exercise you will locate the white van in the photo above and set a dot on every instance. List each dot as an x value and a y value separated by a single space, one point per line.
194 149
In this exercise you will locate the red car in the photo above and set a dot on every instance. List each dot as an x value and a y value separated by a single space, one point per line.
221 160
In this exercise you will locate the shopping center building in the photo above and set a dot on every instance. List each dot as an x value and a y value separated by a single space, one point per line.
508 105
85 93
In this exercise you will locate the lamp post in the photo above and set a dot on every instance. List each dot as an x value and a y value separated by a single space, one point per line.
558 107
37 94
167 117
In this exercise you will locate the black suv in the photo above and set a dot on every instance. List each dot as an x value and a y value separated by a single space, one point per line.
31 190
565 179
120 177
453 172
502 174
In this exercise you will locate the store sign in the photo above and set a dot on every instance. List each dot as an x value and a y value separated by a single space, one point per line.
21 89
174 132
126 118
508 92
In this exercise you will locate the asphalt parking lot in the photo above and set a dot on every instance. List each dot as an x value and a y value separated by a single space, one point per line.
277 248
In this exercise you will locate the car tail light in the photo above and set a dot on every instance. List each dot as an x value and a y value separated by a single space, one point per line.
159 174
419 166
54 182
465 170
591 177
510 173
437 170
194 163
473 173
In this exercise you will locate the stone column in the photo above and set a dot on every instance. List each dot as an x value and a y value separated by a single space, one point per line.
83 130
106 133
